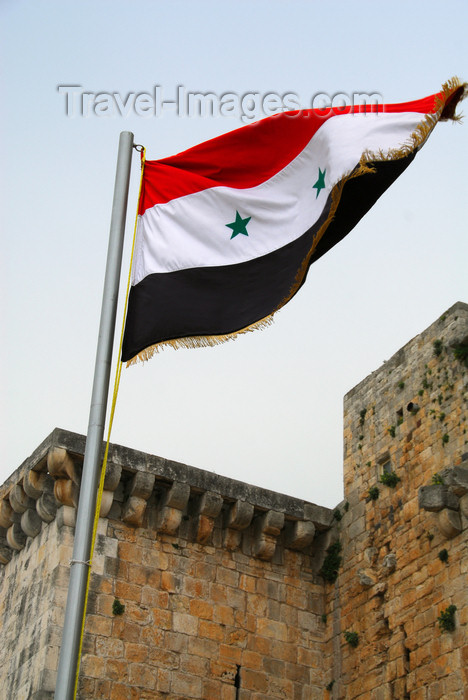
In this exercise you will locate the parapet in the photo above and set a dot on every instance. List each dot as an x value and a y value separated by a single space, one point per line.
143 489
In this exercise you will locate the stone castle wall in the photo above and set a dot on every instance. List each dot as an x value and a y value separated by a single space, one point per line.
205 587
409 417
218 581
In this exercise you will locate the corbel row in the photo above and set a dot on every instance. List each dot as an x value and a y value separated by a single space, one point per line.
55 482
172 506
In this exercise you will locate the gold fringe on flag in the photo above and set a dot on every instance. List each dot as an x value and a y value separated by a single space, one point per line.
453 92
199 341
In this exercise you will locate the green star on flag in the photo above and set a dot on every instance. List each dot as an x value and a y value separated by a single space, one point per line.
320 184
239 225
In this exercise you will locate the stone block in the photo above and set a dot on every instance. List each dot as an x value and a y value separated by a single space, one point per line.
209 508
436 497
457 479
205 527
267 529
232 539
464 505
19 500
66 492
133 511
6 514
31 523
239 515
366 577
46 507
66 515
300 534
106 503
389 562
5 554
15 536
33 483
141 485
210 504
61 465
112 478
172 507
177 496
449 523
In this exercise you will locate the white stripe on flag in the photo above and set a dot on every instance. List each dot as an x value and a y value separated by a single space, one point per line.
191 231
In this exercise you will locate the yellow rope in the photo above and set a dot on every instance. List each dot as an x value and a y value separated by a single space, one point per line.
111 420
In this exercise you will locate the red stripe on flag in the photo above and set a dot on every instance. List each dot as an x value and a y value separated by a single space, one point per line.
245 157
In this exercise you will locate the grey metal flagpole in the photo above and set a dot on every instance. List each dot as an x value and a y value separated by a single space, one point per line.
75 610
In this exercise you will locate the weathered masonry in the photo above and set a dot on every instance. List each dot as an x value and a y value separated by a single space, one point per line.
205 587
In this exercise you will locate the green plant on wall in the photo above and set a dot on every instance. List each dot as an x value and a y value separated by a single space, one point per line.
332 562
438 346
437 478
391 431
352 638
373 493
117 607
362 416
446 619
389 479
443 556
461 353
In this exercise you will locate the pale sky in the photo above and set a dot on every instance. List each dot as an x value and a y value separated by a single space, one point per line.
266 408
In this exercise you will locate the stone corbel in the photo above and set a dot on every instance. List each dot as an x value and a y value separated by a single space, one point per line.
31 523
238 518
46 505
208 510
171 508
6 514
111 481
33 483
5 551
436 497
140 489
66 492
457 479
67 478
299 534
19 500
267 529
447 500
15 537
449 523
61 466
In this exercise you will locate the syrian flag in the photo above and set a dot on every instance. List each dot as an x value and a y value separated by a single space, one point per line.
227 230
